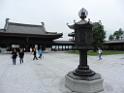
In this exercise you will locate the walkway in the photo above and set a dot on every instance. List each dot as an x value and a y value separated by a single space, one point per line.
47 75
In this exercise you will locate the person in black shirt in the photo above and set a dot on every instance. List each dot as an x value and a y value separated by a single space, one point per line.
35 54
14 56
21 55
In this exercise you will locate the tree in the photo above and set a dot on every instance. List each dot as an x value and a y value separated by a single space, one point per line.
111 37
99 35
118 34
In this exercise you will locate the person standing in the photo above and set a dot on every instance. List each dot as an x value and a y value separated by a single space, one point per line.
31 50
14 56
100 53
40 53
35 54
21 55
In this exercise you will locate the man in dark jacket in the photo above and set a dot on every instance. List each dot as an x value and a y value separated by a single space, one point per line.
21 55
14 56
35 54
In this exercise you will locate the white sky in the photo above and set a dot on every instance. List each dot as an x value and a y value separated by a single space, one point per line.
56 13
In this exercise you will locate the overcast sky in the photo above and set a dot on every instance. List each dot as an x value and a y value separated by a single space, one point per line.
56 13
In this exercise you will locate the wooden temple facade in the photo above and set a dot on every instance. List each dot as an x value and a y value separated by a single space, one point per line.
26 35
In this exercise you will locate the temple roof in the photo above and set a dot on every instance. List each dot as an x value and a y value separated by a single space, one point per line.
114 41
72 34
31 29
25 28
1 30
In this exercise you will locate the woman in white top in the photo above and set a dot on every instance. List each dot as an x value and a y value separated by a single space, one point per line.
100 53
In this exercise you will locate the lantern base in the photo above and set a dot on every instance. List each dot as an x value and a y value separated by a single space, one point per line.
83 72
75 84
84 77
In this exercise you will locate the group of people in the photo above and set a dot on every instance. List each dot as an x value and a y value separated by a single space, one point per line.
14 56
37 54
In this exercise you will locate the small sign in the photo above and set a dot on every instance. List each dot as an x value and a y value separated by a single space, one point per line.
15 46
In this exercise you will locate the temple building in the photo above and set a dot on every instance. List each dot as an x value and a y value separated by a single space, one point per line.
26 35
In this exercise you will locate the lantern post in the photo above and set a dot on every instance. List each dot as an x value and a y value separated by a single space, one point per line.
83 79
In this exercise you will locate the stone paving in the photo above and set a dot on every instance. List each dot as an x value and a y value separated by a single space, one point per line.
46 75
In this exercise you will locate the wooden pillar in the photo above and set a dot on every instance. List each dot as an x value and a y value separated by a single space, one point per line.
62 47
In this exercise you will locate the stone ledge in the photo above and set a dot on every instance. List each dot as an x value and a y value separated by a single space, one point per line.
84 86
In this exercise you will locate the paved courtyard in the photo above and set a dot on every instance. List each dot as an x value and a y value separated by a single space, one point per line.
47 75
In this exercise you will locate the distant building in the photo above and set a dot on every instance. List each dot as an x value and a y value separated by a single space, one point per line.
107 45
114 45
26 35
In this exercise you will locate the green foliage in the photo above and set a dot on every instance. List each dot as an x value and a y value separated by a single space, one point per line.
99 34
92 53
117 35
105 52
111 37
